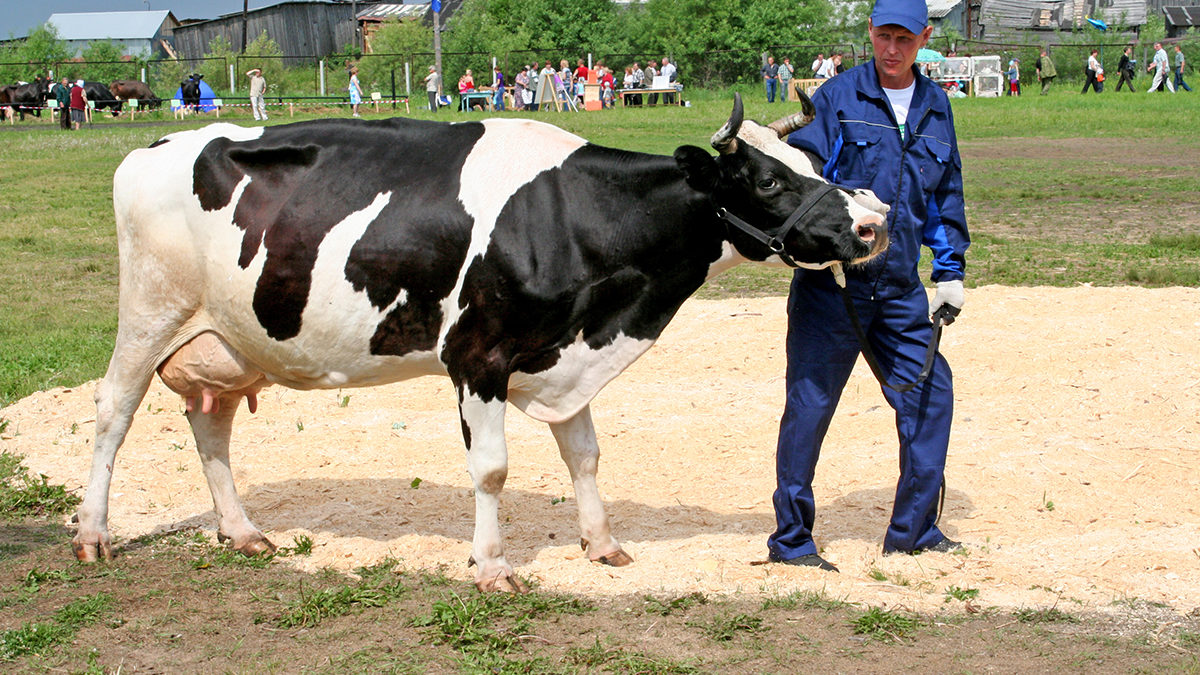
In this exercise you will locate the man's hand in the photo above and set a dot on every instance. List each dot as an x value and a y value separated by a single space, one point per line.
948 299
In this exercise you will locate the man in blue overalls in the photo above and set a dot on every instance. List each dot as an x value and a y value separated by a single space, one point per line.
883 126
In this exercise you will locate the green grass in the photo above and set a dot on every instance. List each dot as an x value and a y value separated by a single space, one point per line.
1034 219
883 624
23 494
39 637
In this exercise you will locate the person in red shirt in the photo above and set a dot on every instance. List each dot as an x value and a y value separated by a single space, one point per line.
581 71
78 104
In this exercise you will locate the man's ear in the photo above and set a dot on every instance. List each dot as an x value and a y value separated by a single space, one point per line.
698 166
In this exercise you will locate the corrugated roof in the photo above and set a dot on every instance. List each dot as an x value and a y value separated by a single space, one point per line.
1182 16
938 9
394 10
114 25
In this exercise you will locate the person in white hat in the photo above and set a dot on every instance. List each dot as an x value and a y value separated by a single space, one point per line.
258 88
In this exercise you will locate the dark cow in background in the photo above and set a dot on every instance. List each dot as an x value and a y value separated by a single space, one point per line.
102 97
190 91
134 89
27 97
340 253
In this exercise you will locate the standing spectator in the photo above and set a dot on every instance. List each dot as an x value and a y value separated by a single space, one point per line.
1014 77
498 88
433 87
520 86
770 75
1180 63
62 95
355 92
817 63
1094 73
258 92
786 71
1159 66
828 67
648 76
913 165
581 71
639 82
607 87
1125 68
671 73
838 67
1044 67
78 103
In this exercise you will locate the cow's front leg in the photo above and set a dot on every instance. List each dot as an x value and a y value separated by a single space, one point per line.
577 443
212 431
487 461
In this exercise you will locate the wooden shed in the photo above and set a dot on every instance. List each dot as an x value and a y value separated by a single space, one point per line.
305 30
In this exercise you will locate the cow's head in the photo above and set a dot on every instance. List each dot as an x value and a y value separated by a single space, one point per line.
774 202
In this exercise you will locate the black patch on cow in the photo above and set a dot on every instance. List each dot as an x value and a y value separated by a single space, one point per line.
308 177
611 242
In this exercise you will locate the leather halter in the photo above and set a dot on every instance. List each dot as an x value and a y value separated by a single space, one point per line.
773 239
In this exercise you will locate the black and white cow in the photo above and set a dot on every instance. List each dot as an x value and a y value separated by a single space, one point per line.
340 253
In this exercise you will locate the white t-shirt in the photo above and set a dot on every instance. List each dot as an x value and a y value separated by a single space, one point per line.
900 100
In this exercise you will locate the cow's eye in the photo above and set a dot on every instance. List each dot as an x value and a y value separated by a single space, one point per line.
767 184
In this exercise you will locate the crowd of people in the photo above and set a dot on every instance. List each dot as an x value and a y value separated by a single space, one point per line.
533 87
1168 72
777 77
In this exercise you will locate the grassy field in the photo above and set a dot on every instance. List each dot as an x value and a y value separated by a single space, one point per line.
1061 190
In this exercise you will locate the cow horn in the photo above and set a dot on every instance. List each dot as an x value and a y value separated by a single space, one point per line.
725 140
792 122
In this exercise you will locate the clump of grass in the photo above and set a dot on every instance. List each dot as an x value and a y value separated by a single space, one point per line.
726 627
484 626
302 544
1048 615
805 599
23 495
880 624
377 586
35 578
623 660
963 594
40 637
665 607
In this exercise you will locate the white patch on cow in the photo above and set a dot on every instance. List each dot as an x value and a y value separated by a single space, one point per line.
557 394
489 176
730 257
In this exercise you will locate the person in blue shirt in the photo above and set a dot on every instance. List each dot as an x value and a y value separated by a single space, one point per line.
884 126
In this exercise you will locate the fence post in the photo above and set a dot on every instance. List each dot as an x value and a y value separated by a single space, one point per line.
321 65
232 86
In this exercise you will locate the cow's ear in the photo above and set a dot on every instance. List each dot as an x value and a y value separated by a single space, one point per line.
698 166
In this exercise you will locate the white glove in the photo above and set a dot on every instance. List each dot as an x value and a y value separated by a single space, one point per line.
948 293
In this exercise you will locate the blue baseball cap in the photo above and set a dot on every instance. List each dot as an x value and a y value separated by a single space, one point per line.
911 14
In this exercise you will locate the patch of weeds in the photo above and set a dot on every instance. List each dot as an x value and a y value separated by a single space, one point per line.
482 626
1048 615
40 637
665 607
877 574
623 660
4 422
23 495
314 607
880 624
726 627
897 579
1189 639
805 599
219 556
963 594
35 578
302 544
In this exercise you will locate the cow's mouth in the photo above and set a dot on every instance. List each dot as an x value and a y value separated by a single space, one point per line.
872 236
865 232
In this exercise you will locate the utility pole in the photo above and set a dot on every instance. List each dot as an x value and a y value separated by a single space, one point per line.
437 37
245 8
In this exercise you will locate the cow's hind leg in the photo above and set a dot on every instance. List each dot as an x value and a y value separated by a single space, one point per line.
212 431
487 461
577 443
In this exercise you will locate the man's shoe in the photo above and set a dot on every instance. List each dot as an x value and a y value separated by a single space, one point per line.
810 560
946 545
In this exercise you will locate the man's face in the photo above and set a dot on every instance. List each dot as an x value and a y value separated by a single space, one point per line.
895 52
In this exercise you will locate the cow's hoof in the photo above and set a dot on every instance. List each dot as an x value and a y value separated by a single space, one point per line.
90 552
505 582
249 547
617 558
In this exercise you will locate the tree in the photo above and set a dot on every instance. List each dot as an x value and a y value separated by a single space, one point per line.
105 61
42 49
264 53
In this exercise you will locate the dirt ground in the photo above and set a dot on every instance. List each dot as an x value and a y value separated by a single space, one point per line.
1074 472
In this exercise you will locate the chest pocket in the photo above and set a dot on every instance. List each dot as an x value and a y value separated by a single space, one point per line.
934 159
860 155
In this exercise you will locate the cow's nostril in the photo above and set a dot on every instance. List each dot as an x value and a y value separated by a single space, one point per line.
866 233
